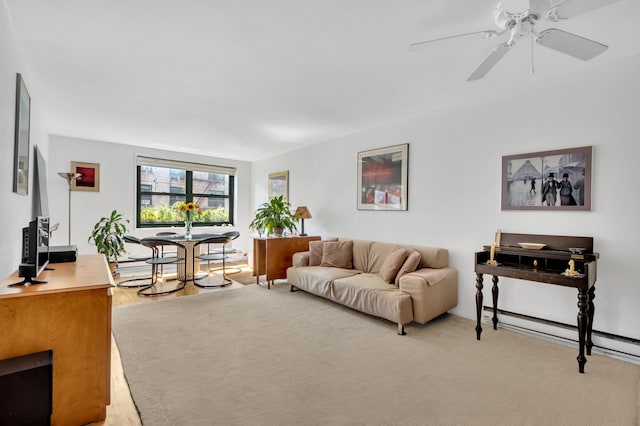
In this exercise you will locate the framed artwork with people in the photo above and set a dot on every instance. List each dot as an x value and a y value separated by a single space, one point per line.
548 180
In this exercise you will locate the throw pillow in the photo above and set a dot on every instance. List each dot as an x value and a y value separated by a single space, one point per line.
392 264
338 254
316 249
315 252
409 265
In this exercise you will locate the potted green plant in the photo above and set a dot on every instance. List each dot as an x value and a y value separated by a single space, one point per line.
108 237
274 216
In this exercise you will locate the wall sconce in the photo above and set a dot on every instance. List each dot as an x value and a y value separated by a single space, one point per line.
302 213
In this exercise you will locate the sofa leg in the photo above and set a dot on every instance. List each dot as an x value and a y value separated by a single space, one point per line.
401 330
292 288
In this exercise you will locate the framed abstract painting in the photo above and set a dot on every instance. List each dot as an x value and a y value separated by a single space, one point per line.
90 179
382 178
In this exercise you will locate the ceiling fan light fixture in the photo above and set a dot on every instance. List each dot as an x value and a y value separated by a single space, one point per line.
523 24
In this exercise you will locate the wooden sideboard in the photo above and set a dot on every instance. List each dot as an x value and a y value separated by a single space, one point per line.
547 265
70 315
272 255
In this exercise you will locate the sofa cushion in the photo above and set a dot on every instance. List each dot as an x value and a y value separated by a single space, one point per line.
361 254
316 249
392 264
317 279
370 294
410 264
337 254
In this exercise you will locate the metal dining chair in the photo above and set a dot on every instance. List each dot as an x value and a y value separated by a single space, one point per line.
232 235
156 261
164 234
210 256
136 258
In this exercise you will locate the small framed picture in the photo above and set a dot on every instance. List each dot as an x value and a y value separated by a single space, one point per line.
547 180
89 179
382 178
279 185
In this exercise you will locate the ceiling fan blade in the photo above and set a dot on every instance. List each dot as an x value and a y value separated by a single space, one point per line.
569 8
540 6
424 44
489 62
571 44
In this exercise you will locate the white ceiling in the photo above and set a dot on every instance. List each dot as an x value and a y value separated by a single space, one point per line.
247 79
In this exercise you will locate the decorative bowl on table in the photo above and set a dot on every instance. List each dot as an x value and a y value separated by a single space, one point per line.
532 246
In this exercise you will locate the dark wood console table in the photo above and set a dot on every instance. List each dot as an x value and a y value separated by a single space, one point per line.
547 265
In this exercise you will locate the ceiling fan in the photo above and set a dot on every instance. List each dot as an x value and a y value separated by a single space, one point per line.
522 25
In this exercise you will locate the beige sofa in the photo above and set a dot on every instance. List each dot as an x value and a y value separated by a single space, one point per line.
421 295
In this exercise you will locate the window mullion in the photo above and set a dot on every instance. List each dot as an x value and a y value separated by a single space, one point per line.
189 186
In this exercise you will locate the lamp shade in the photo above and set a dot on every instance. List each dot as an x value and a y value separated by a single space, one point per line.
302 212
69 176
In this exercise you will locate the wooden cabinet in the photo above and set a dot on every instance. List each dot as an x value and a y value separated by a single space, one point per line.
70 315
272 256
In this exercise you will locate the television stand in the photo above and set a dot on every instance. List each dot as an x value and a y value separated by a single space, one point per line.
26 271
27 282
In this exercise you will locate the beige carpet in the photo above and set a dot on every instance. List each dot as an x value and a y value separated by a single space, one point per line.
238 271
254 356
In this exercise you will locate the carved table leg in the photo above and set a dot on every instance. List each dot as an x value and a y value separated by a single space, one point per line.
582 327
478 304
590 312
494 293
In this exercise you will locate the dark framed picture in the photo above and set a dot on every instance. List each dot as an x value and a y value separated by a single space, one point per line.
547 180
22 130
90 179
382 178
278 184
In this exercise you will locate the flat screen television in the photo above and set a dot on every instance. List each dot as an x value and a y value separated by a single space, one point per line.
41 192
35 251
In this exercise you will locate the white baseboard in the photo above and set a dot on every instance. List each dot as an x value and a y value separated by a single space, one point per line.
619 348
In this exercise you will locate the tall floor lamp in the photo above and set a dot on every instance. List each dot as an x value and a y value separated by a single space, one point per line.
70 177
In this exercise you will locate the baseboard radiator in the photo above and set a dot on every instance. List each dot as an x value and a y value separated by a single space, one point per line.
621 347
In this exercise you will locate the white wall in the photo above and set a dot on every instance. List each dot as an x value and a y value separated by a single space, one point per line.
16 209
454 186
118 188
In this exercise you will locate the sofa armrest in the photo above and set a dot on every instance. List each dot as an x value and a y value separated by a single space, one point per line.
300 258
433 291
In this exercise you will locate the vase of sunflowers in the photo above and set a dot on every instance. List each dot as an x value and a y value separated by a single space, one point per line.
189 211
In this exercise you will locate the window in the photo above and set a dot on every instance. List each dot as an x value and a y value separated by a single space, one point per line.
162 185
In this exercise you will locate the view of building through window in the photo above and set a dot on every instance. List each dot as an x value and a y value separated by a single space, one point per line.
161 190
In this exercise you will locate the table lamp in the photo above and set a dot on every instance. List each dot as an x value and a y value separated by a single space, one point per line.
302 213
70 177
